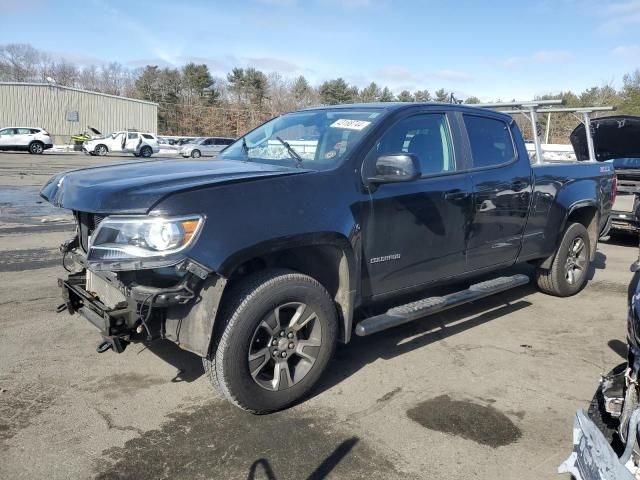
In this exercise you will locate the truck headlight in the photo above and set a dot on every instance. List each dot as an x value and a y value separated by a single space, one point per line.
146 241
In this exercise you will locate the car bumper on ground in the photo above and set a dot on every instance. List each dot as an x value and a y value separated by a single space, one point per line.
624 221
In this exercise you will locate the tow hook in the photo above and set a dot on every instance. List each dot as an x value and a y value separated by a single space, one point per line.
114 343
104 346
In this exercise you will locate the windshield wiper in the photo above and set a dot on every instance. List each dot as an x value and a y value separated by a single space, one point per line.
245 149
291 151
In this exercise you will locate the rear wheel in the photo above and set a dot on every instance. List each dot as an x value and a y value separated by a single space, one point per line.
36 148
278 336
101 150
568 272
146 152
196 154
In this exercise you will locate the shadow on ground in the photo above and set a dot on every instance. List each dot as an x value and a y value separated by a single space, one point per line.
217 440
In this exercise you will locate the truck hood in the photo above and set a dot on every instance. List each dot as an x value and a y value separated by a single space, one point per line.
613 137
135 187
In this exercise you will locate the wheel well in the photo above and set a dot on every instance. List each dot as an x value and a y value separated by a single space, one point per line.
100 145
327 264
587 216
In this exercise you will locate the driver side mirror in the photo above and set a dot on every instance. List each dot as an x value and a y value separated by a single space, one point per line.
397 167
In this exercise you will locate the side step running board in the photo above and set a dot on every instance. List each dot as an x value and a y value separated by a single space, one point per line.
428 306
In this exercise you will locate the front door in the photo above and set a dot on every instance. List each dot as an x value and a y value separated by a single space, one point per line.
8 137
415 232
501 193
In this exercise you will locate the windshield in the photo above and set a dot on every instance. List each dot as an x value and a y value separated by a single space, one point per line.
315 139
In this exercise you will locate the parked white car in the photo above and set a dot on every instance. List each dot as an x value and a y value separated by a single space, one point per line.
33 140
205 147
140 144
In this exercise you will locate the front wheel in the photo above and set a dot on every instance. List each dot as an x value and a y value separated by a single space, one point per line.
101 150
278 336
196 154
568 272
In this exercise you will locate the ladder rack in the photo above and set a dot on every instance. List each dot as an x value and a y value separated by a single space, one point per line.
532 108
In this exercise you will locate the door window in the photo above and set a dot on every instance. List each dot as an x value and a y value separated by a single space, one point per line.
490 140
132 135
24 131
426 136
8 131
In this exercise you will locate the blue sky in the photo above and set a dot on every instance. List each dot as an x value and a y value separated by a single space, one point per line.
498 49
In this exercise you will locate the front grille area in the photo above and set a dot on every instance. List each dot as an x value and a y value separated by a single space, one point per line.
87 223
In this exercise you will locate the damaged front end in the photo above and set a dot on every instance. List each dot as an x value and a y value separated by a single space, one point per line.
125 285
606 441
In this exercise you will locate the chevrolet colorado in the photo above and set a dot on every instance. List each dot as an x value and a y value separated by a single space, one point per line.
309 227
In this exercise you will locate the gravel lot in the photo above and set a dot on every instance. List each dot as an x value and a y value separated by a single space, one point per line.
483 391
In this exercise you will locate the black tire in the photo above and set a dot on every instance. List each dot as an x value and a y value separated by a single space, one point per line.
196 154
36 148
146 152
249 306
557 280
101 150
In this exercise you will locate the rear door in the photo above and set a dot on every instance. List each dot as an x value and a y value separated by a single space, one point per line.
415 232
133 142
23 137
501 192
208 147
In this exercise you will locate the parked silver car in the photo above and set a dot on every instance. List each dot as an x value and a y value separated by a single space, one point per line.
205 147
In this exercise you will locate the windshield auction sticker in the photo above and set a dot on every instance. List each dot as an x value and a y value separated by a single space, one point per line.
350 124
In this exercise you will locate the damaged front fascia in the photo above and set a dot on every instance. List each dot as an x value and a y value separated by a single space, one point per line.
191 325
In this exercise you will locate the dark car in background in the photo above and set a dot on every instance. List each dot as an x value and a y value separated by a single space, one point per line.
617 139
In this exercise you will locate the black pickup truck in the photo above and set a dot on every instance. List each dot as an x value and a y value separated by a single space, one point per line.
317 224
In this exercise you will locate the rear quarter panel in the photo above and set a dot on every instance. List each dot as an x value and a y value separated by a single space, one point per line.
561 188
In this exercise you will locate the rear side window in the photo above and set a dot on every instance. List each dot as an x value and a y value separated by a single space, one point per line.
146 135
490 139
223 141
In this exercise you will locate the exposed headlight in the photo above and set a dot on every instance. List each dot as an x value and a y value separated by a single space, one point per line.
141 242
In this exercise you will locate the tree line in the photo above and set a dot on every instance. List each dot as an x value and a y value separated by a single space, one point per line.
192 101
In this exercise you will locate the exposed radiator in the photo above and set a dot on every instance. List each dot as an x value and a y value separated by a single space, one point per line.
106 293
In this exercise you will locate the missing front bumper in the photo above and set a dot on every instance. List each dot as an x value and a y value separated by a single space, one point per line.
137 314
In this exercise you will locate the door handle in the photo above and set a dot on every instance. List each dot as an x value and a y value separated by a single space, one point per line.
456 194
519 185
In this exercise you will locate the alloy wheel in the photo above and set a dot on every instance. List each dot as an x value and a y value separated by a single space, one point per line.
285 346
576 261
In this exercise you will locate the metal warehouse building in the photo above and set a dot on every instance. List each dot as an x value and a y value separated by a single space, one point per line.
64 111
